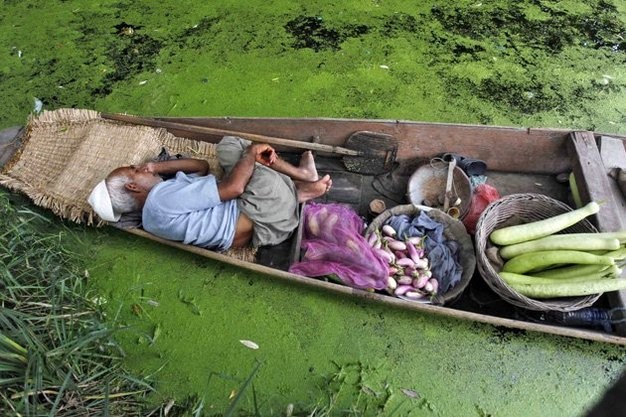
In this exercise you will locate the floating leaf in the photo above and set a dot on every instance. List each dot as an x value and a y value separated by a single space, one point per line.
369 391
168 407
249 344
191 302
38 103
99 300
156 333
409 393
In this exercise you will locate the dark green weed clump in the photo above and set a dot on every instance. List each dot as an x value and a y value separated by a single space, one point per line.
313 32
520 45
57 357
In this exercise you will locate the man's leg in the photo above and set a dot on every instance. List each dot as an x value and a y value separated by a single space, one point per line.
231 148
309 190
229 151
305 171
307 183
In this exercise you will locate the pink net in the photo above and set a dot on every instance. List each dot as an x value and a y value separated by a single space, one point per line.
481 197
333 245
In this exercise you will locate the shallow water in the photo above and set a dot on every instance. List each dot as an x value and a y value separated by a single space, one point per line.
531 63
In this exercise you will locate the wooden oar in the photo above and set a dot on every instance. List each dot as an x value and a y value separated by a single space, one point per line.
253 137
373 152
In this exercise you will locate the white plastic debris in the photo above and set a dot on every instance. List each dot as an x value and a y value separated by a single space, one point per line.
249 344
38 106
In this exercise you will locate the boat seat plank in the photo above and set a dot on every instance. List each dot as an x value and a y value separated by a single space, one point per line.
346 189
613 153
593 181
594 185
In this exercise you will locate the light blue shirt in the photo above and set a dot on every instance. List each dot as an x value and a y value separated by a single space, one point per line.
188 209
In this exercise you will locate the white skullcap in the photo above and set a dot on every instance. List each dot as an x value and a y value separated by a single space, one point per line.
101 203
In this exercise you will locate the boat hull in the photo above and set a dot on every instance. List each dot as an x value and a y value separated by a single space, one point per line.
519 160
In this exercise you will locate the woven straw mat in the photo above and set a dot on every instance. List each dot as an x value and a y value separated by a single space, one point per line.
66 152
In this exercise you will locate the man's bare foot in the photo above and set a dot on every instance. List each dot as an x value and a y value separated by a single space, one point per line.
307 167
309 190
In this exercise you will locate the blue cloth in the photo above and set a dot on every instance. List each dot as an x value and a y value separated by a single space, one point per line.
443 254
188 209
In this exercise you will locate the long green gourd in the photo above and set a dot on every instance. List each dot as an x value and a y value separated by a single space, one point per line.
570 271
560 242
516 279
541 228
542 259
571 289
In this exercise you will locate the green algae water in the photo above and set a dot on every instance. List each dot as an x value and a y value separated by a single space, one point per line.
530 63
186 319
535 63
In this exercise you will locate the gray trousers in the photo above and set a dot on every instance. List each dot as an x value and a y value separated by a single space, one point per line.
269 199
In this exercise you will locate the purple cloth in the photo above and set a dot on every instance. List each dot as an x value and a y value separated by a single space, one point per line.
443 254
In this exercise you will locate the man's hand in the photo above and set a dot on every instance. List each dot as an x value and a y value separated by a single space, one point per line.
148 167
263 153
234 183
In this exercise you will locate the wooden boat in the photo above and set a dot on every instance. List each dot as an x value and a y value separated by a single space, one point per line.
519 160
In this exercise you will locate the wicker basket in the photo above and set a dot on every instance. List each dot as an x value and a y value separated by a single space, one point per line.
454 230
516 209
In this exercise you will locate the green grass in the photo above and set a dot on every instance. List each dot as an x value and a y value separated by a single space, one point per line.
57 354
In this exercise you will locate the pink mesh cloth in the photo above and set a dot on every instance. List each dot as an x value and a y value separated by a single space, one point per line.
482 196
333 245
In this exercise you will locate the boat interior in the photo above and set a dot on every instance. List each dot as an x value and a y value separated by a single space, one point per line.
517 161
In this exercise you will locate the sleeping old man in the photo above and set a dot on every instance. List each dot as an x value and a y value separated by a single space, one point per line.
255 203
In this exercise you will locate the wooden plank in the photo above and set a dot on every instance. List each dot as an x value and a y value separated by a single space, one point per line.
595 185
509 149
613 154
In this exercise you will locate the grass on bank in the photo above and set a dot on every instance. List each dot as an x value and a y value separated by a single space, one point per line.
58 353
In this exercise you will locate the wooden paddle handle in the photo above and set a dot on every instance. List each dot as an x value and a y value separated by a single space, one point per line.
449 179
148 121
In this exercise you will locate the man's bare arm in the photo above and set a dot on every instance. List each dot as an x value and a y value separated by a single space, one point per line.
187 165
233 185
